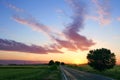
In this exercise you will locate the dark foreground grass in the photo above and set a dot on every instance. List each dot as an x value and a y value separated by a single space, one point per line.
29 73
113 73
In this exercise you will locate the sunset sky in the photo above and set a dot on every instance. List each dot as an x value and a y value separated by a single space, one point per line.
63 30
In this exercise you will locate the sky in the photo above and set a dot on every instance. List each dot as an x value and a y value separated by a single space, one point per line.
61 30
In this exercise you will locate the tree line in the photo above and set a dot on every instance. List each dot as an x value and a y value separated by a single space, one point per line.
52 62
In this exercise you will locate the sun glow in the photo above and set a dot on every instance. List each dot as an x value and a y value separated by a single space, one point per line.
79 61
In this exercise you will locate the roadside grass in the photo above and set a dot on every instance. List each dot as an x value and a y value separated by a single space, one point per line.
29 73
113 73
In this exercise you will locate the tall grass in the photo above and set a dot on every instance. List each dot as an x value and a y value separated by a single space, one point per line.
29 73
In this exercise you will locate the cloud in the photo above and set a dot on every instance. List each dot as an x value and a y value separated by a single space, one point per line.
14 7
10 45
71 39
72 30
34 24
74 41
37 26
118 18
23 17
60 11
6 62
66 44
103 13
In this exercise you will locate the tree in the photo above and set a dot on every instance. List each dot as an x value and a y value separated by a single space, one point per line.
51 62
62 63
57 62
101 59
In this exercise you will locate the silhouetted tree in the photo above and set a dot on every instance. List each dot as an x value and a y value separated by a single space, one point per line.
51 62
101 59
57 62
62 63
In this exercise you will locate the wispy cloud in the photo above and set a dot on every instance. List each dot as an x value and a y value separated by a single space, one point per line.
23 17
60 11
13 7
102 12
10 45
71 39
6 62
118 18
34 24
66 44
71 31
74 41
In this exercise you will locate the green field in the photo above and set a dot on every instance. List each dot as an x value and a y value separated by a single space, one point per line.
45 72
113 73
29 73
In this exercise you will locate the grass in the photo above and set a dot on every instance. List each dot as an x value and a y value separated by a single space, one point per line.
113 73
29 73
48 72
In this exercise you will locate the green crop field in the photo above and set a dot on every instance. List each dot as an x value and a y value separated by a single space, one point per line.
113 73
29 73
45 72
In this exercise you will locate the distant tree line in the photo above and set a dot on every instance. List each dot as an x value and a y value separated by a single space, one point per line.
52 62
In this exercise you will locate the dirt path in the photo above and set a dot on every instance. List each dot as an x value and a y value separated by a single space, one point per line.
73 74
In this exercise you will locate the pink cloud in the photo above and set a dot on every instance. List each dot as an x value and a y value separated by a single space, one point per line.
102 11
118 18
33 24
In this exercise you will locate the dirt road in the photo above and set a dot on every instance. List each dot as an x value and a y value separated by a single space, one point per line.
73 74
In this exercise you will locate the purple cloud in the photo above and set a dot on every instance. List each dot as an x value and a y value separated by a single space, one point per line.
71 31
74 41
10 45
6 62
66 44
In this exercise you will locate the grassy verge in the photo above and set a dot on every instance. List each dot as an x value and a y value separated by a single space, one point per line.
53 73
29 73
113 73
